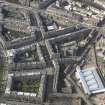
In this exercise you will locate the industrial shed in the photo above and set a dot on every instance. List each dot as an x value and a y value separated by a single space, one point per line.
90 80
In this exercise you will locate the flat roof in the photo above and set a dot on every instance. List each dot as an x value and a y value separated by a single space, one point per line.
91 81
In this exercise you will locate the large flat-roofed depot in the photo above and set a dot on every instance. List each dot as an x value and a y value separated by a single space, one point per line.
90 80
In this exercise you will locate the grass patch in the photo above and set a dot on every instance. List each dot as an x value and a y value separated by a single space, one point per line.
100 59
34 55
34 88
26 86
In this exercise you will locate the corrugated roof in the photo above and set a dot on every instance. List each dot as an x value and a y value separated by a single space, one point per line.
90 80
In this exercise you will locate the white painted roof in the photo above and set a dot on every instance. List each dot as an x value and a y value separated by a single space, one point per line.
33 94
19 93
67 7
2 104
26 94
91 81
50 27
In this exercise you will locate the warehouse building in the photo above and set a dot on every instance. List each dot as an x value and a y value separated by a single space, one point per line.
90 80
